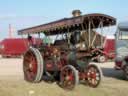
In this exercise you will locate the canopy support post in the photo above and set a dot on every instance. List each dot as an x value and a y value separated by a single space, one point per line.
85 39
93 40
89 31
102 34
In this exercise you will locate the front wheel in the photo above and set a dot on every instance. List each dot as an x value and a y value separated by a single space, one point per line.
69 77
94 75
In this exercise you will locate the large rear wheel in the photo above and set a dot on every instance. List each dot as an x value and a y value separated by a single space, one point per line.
69 77
33 65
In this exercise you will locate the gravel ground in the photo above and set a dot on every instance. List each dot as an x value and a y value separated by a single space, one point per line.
13 84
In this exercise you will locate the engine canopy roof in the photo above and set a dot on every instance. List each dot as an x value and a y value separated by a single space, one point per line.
71 24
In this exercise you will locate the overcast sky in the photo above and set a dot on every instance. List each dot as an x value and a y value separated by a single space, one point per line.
26 13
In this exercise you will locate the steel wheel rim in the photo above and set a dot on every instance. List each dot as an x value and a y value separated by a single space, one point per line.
30 66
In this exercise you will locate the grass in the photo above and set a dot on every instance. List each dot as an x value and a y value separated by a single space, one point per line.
19 87
12 85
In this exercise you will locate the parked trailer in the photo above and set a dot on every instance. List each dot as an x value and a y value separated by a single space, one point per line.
66 65
15 46
109 48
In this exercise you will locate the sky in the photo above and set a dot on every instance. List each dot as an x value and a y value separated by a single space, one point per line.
27 13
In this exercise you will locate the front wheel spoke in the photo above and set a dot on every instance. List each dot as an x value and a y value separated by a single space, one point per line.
97 74
93 81
67 83
97 78
67 71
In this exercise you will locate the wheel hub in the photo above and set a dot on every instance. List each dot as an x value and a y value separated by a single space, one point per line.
30 66
69 78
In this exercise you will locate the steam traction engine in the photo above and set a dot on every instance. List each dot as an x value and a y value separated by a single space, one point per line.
65 62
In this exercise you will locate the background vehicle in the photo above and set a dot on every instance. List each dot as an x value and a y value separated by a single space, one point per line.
14 47
121 61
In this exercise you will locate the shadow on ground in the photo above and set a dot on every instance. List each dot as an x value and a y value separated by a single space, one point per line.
112 73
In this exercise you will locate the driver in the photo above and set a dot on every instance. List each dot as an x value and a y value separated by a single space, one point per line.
72 58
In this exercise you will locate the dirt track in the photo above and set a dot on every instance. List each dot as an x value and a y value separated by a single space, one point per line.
9 67
13 84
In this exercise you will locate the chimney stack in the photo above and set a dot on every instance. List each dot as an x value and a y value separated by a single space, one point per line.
10 31
76 13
